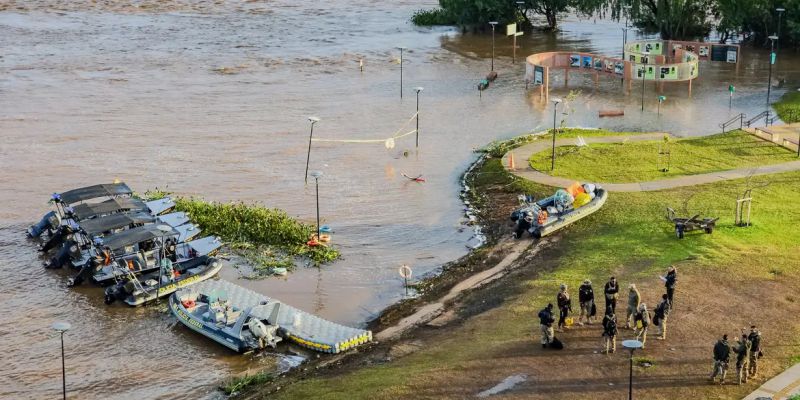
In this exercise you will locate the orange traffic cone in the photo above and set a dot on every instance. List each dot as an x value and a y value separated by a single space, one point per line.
511 161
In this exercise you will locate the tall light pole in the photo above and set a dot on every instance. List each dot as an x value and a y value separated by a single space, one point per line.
317 175
631 345
553 157
418 89
401 70
644 78
313 121
493 24
772 58
625 30
780 11
62 327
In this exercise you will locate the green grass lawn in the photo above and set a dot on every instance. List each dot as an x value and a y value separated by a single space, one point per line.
640 161
629 237
788 107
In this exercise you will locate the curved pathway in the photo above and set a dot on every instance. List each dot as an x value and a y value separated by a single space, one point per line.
523 169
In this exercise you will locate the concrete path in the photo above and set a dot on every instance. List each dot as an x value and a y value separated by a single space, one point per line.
523 169
779 387
432 310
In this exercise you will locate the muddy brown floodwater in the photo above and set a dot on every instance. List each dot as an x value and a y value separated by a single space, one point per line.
211 99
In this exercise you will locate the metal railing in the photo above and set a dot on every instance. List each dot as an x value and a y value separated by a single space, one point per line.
739 118
761 115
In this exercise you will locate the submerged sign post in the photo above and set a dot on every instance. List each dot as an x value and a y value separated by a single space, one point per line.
731 89
405 272
511 30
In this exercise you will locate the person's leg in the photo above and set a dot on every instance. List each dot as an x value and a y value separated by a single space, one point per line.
663 329
724 367
613 344
550 334
561 317
606 343
546 335
644 336
628 315
670 292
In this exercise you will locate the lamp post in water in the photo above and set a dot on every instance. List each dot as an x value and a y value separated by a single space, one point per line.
772 58
401 70
493 24
553 158
631 345
317 175
780 11
418 89
313 121
62 327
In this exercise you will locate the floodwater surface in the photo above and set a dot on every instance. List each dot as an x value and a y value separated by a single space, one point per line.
212 99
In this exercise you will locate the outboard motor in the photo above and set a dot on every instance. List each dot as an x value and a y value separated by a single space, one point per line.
87 270
68 251
50 221
61 234
267 335
119 291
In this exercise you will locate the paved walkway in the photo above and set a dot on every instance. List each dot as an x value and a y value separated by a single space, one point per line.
523 169
779 387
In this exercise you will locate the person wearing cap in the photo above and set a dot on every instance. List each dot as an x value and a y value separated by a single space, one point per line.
722 356
586 299
564 306
742 358
610 290
546 324
634 298
641 320
755 350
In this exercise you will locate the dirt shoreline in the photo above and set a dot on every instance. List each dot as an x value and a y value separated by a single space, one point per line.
443 287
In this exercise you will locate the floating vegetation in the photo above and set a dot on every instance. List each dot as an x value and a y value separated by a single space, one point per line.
235 385
267 238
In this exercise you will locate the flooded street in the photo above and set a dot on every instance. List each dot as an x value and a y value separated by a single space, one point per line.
213 101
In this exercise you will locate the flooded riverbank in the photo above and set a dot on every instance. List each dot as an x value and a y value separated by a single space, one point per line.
212 101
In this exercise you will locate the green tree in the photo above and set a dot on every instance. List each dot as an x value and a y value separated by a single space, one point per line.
673 19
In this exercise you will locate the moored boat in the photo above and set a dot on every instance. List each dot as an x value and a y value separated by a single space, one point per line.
242 320
548 215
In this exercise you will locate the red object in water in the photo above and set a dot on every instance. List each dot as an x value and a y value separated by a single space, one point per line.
417 179
312 243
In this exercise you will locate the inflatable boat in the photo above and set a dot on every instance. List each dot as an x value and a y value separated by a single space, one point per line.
243 320
548 215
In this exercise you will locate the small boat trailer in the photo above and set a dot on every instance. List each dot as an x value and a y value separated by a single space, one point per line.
689 224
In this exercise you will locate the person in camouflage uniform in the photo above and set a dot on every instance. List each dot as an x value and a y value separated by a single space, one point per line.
634 298
742 358
755 350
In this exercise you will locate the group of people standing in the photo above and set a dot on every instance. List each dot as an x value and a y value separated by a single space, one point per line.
637 316
748 350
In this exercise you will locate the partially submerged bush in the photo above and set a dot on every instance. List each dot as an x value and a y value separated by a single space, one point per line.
267 238
436 16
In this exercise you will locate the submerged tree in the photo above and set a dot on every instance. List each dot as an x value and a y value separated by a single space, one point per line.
673 19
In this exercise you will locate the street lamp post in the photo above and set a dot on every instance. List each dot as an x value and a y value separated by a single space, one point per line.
62 327
418 89
317 175
631 345
313 121
401 70
625 30
493 24
780 11
772 58
644 78
553 156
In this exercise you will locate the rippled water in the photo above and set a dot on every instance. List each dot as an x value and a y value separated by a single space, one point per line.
212 100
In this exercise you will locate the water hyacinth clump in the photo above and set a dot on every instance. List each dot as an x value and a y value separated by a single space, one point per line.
267 238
